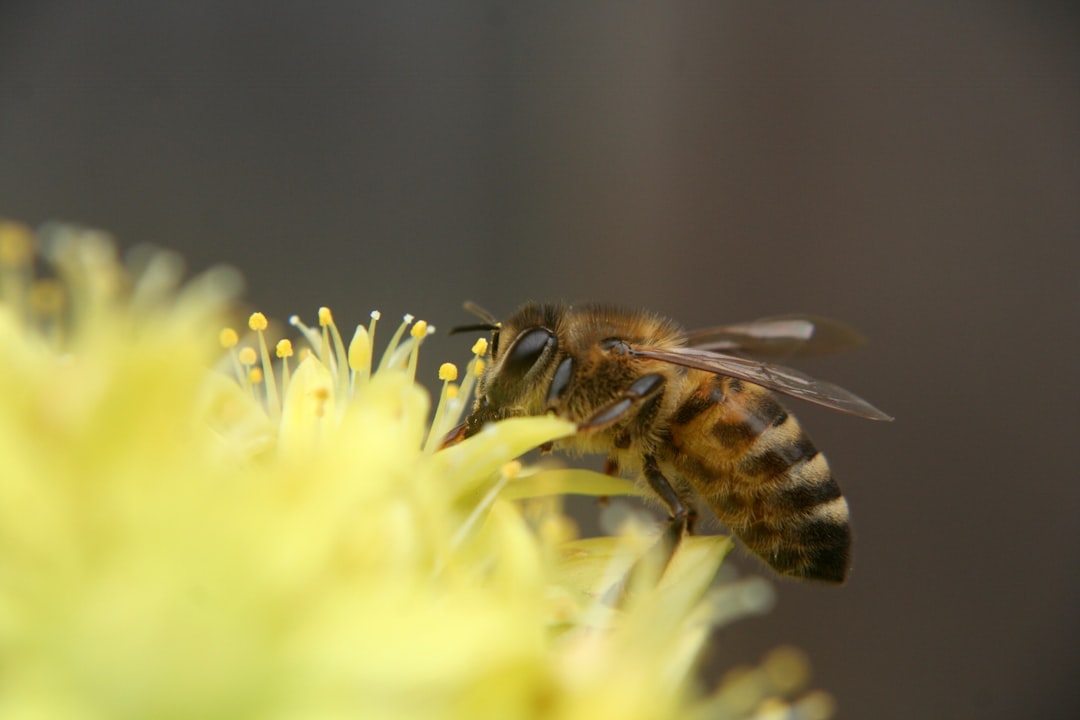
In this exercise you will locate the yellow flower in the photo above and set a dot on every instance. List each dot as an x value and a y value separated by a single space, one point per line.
178 540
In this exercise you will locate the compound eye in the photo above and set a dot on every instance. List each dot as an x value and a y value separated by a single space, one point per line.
527 350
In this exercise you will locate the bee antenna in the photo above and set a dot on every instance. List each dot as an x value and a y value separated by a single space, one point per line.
491 322
473 328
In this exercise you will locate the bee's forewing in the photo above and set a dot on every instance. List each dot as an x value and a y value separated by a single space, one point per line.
774 377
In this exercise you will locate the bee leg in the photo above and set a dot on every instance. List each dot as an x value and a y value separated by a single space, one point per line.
639 391
683 516
454 436
654 562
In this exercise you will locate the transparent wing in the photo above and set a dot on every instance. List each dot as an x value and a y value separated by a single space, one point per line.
774 377
778 336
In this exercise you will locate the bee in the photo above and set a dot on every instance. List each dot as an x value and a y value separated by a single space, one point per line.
686 416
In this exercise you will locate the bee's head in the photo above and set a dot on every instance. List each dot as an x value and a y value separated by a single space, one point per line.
520 360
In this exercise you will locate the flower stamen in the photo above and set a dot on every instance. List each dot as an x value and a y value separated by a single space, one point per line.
247 357
284 350
258 323
340 364
419 331
310 334
391 357
448 373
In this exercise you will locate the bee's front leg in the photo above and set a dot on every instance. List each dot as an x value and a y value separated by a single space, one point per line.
639 391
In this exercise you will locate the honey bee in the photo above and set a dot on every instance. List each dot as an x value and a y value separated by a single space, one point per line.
687 417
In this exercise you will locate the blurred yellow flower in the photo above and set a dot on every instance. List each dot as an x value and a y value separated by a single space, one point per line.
177 540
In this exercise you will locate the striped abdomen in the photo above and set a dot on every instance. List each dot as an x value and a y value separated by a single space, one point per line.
750 460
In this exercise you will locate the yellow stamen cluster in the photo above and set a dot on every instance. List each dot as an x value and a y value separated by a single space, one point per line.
349 368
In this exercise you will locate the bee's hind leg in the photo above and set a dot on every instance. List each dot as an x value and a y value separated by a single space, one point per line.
683 516
657 558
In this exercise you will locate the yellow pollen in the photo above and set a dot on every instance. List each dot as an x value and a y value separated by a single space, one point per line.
480 347
511 469
248 356
448 371
257 321
325 317
419 330
284 348
255 375
478 367
451 391
228 338
16 244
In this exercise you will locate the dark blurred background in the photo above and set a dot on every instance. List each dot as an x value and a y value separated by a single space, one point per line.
912 168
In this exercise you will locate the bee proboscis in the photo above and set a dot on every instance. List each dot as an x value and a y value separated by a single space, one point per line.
686 416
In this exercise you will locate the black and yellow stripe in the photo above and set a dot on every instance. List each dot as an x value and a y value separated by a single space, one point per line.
771 485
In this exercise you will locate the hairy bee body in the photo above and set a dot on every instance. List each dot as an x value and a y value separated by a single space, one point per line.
643 399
